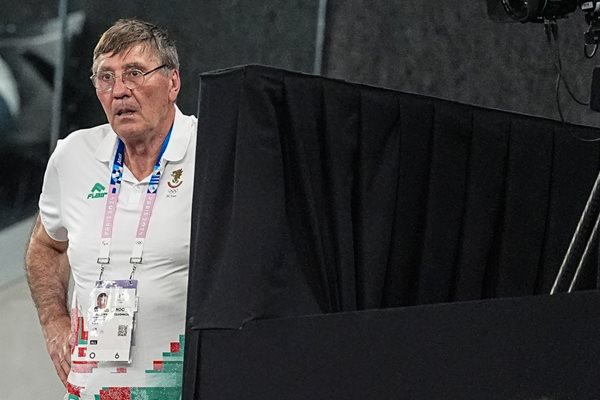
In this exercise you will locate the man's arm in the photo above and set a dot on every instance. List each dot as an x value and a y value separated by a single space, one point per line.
48 274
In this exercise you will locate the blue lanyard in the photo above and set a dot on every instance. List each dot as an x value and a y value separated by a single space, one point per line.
111 206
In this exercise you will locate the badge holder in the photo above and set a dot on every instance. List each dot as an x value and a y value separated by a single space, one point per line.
109 322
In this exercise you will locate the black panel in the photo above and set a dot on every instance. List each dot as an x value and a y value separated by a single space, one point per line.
317 196
478 256
528 348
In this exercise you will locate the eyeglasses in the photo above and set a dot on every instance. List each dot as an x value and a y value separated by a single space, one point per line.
132 78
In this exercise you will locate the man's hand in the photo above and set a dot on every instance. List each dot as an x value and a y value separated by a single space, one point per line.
57 333
48 274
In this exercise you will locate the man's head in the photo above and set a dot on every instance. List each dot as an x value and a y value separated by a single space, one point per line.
136 75
126 33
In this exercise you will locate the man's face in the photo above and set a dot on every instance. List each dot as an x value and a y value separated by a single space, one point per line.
102 301
146 110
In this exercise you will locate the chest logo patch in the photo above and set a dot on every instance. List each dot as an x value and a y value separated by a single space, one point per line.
176 180
98 191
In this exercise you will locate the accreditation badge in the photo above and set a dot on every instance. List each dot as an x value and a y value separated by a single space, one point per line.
108 323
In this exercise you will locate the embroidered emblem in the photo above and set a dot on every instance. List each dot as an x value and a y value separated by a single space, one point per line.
98 191
176 181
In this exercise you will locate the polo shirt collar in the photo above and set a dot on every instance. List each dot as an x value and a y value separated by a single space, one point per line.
178 144
180 137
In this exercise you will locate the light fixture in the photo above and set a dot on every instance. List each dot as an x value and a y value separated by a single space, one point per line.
539 10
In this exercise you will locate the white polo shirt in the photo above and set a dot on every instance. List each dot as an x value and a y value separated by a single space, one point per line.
72 208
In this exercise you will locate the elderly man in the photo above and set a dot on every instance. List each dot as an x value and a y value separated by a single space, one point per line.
115 213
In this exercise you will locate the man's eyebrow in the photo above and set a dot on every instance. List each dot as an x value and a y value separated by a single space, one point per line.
133 65
126 66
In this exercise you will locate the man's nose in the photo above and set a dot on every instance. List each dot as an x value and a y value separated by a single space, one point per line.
119 89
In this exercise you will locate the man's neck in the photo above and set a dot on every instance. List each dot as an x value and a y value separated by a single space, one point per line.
141 158
141 155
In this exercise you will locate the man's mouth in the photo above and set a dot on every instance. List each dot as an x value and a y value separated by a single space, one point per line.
125 112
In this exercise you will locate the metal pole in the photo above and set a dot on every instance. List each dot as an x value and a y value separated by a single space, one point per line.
580 243
320 37
59 73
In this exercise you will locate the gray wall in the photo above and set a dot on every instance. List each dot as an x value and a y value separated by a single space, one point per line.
451 49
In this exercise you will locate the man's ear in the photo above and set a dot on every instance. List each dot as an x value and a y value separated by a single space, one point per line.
174 85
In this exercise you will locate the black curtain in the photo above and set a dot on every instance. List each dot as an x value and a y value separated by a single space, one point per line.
315 195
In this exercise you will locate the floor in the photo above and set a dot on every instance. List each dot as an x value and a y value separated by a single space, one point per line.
27 372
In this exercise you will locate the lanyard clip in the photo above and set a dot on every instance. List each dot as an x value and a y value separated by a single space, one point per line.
102 261
101 271
135 261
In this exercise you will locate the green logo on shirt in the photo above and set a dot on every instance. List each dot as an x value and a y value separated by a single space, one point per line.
97 192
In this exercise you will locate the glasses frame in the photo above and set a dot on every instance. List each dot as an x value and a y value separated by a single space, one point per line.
115 76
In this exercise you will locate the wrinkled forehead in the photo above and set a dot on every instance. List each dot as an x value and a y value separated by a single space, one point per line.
136 54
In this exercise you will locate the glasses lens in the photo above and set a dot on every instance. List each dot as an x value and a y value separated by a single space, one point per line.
133 78
103 82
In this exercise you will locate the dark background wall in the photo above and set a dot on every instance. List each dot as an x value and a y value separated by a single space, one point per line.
451 49
213 35
448 49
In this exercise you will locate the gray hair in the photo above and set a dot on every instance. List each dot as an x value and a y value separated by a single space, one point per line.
125 33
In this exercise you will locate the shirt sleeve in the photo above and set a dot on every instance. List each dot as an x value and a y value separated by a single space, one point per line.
50 200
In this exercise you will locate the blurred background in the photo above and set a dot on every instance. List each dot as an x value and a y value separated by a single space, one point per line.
449 49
